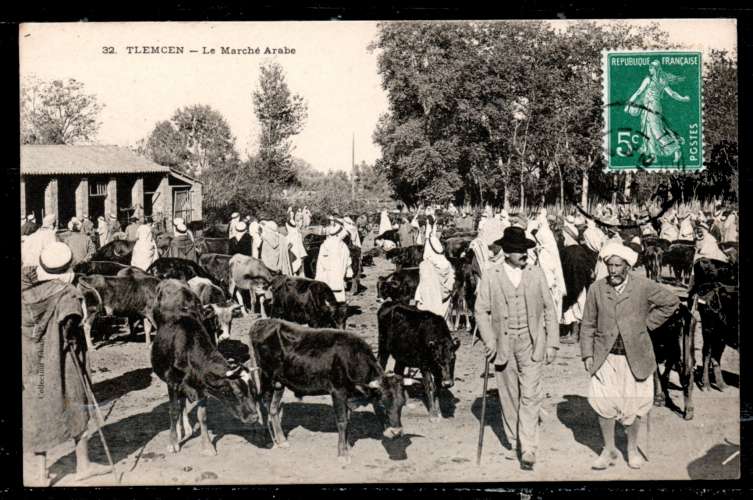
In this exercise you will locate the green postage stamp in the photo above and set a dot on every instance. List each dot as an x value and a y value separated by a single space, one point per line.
653 105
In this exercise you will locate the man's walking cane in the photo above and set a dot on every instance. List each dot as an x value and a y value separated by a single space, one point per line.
483 412
97 414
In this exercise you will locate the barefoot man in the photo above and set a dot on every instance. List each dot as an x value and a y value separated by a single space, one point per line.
54 399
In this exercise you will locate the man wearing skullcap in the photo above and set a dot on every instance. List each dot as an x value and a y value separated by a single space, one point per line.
436 279
30 226
80 244
517 322
182 246
145 249
241 242
131 229
616 348
54 401
333 265
34 244
113 227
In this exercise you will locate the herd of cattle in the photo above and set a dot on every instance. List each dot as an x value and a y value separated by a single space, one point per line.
303 346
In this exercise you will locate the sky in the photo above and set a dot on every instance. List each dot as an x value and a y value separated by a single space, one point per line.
331 68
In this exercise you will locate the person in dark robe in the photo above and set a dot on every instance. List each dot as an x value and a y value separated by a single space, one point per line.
182 246
54 401
241 242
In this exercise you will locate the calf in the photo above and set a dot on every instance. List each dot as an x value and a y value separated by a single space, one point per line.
406 257
652 259
674 346
418 339
186 360
181 269
399 286
717 307
679 257
312 362
129 297
116 251
105 268
213 245
211 296
307 302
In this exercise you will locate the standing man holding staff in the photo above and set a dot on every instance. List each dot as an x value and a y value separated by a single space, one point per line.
517 321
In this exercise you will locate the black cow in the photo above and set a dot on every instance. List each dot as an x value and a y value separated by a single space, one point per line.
313 242
213 245
307 302
314 362
389 235
456 246
718 310
406 257
105 268
679 257
116 251
129 297
418 339
180 269
708 272
674 346
186 360
399 286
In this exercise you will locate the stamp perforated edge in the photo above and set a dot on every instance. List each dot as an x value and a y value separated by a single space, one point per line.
605 114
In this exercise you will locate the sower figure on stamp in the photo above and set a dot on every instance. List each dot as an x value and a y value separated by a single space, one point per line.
54 398
518 323
616 348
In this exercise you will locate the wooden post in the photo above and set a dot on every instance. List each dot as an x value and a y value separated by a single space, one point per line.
23 196
82 197
197 194
51 197
137 197
111 200
163 202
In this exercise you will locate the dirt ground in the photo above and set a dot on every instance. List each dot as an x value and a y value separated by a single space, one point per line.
134 403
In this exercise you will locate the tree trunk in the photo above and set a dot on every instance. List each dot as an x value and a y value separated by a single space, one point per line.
628 182
584 190
522 194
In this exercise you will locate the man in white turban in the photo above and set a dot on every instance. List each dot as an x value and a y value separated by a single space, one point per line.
271 248
145 249
295 245
333 264
706 246
436 279
235 217
34 244
616 348
729 227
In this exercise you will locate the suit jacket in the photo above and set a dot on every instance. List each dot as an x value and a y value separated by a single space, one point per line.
642 306
492 312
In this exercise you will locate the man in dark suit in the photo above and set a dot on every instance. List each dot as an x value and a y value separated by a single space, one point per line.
616 347
517 321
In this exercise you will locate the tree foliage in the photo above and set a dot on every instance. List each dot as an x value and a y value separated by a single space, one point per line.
509 112
57 112
281 115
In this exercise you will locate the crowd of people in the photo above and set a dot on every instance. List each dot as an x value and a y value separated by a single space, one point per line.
519 308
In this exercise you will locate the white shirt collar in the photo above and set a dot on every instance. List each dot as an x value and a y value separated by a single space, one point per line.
621 287
514 273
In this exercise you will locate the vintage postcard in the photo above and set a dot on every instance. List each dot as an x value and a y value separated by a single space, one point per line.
261 253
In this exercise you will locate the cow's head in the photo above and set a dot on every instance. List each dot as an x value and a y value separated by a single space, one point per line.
387 288
234 385
442 352
389 393
224 314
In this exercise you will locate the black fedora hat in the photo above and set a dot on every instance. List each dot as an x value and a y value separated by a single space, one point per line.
514 240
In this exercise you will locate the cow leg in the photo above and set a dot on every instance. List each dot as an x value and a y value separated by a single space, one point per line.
706 351
88 331
660 394
147 333
187 429
174 412
342 416
261 308
686 381
207 448
716 362
275 417
432 396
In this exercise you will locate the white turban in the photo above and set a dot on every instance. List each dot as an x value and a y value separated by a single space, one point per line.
615 247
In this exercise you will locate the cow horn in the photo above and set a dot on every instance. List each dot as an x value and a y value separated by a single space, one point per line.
233 372
408 381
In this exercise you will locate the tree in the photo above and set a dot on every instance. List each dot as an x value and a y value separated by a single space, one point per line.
57 112
197 140
281 116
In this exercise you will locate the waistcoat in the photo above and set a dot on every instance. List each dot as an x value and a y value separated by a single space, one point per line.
516 303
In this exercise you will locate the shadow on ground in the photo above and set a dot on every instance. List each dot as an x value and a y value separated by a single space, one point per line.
711 465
